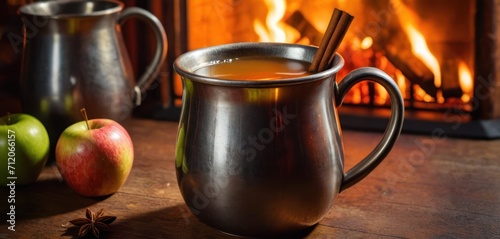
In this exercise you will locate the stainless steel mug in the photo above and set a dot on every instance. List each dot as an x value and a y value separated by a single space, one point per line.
265 158
74 56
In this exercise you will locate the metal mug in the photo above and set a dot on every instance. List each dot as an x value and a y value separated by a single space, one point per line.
265 158
74 56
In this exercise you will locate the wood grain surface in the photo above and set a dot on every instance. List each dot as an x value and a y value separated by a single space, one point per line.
428 187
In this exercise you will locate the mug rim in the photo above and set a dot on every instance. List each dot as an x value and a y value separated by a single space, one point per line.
182 62
29 9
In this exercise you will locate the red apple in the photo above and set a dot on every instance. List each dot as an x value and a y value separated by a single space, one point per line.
95 159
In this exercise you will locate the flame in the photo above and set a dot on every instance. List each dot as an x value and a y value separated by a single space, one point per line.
421 94
366 43
275 29
365 89
356 95
382 96
422 52
401 81
465 77
274 32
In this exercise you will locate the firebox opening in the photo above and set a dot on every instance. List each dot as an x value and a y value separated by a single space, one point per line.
429 55
429 48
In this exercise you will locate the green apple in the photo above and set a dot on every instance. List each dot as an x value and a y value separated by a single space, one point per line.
24 149
95 157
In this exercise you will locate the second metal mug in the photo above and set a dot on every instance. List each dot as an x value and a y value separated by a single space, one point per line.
74 56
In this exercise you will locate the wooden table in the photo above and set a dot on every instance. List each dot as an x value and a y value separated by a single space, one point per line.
426 188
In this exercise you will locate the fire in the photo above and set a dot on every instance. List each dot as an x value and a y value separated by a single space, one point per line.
465 78
275 29
367 51
421 50
401 82
366 43
273 32
356 95
382 96
421 94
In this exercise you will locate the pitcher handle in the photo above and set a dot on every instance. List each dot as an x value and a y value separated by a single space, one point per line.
153 68
365 166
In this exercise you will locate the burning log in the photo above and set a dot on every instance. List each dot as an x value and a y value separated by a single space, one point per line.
305 28
379 20
397 49
413 69
395 46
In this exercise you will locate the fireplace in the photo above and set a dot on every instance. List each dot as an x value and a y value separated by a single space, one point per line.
443 55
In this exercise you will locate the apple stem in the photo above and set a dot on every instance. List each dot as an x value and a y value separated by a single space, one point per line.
84 114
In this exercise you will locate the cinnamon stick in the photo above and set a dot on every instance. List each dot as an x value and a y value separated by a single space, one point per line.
338 35
324 41
335 32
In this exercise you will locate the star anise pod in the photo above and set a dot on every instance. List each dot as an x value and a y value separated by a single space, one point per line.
94 223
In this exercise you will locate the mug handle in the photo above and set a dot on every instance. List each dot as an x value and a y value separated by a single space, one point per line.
153 68
370 162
